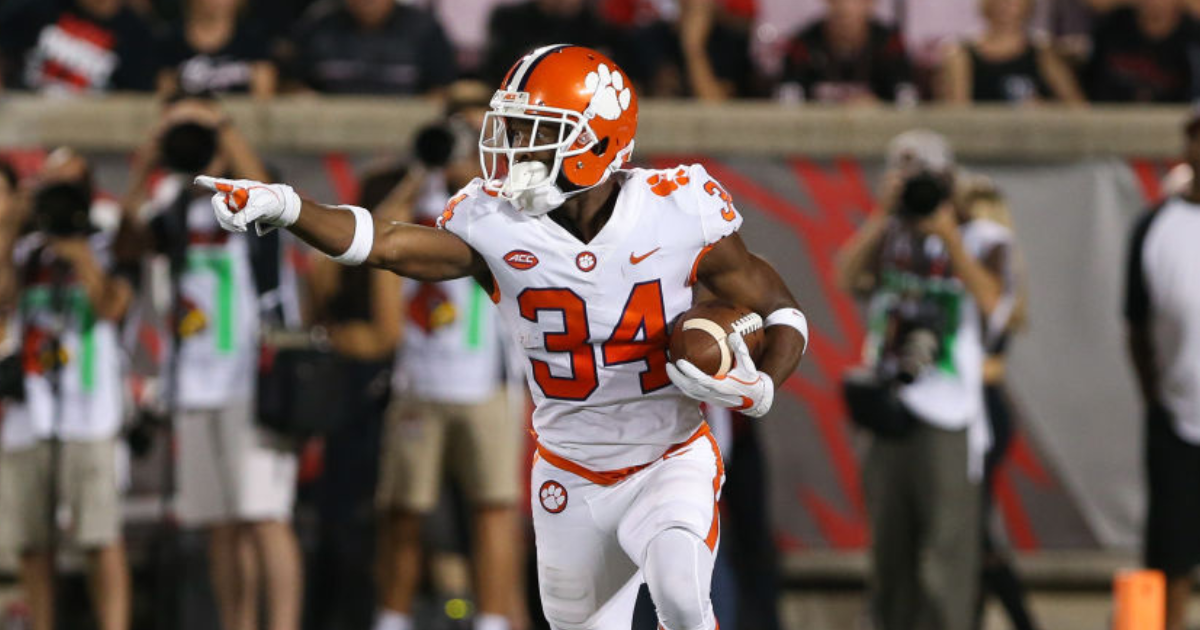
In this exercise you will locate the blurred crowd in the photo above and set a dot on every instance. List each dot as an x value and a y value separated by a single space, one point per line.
841 51
345 449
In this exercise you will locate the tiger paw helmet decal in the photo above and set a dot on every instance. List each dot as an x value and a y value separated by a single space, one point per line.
610 97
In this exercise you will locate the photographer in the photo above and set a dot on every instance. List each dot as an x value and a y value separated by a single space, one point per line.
931 278
465 422
233 477
58 446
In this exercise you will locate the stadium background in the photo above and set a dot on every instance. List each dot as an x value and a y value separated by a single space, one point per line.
804 179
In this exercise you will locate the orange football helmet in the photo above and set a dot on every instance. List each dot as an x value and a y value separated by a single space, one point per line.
573 101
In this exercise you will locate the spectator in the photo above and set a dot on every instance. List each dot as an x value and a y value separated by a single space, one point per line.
360 308
450 330
370 47
90 46
645 43
980 200
216 50
681 47
233 478
59 442
1144 53
517 29
1005 64
848 57
715 36
931 278
1162 311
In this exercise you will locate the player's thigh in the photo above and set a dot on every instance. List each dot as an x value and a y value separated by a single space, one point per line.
680 491
584 576
487 447
414 439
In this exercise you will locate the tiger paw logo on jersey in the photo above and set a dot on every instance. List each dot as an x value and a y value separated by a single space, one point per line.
553 497
610 97
586 261
663 185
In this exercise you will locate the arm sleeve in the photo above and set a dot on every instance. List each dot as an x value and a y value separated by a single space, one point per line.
1137 295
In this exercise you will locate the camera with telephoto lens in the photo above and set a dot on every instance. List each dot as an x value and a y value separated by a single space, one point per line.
62 209
443 142
921 194
188 147
913 343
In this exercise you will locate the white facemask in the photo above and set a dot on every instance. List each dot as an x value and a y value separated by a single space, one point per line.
531 190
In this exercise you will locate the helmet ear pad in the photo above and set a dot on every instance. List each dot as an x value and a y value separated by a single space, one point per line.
591 167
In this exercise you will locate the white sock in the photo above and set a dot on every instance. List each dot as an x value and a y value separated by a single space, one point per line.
491 622
391 620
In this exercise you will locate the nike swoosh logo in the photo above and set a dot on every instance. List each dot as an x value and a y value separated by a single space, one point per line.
677 453
637 259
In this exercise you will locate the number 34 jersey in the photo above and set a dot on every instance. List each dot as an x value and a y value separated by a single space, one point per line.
592 317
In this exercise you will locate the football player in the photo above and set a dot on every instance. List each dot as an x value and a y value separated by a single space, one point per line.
588 261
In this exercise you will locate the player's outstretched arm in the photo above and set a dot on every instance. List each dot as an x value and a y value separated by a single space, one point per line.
734 274
413 251
347 234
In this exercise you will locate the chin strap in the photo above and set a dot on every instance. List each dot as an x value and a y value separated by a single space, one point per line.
537 199
540 200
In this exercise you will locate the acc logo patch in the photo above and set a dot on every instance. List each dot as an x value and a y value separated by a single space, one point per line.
521 259
553 497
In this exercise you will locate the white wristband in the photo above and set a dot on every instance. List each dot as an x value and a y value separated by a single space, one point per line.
291 206
364 237
789 317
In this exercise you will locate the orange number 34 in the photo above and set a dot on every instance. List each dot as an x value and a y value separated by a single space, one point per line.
643 315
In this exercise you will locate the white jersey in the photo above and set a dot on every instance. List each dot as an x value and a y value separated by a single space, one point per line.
218 353
89 404
449 328
591 317
918 289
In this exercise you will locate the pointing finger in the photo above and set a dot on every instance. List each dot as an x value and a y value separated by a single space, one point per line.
212 183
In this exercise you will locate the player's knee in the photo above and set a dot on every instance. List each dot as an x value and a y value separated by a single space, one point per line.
678 570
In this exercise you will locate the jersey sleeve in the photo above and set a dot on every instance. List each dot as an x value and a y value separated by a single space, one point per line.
712 205
456 218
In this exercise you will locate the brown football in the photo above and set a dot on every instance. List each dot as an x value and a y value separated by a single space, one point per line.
698 335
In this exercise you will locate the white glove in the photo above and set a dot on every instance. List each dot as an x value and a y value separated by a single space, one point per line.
743 388
240 202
